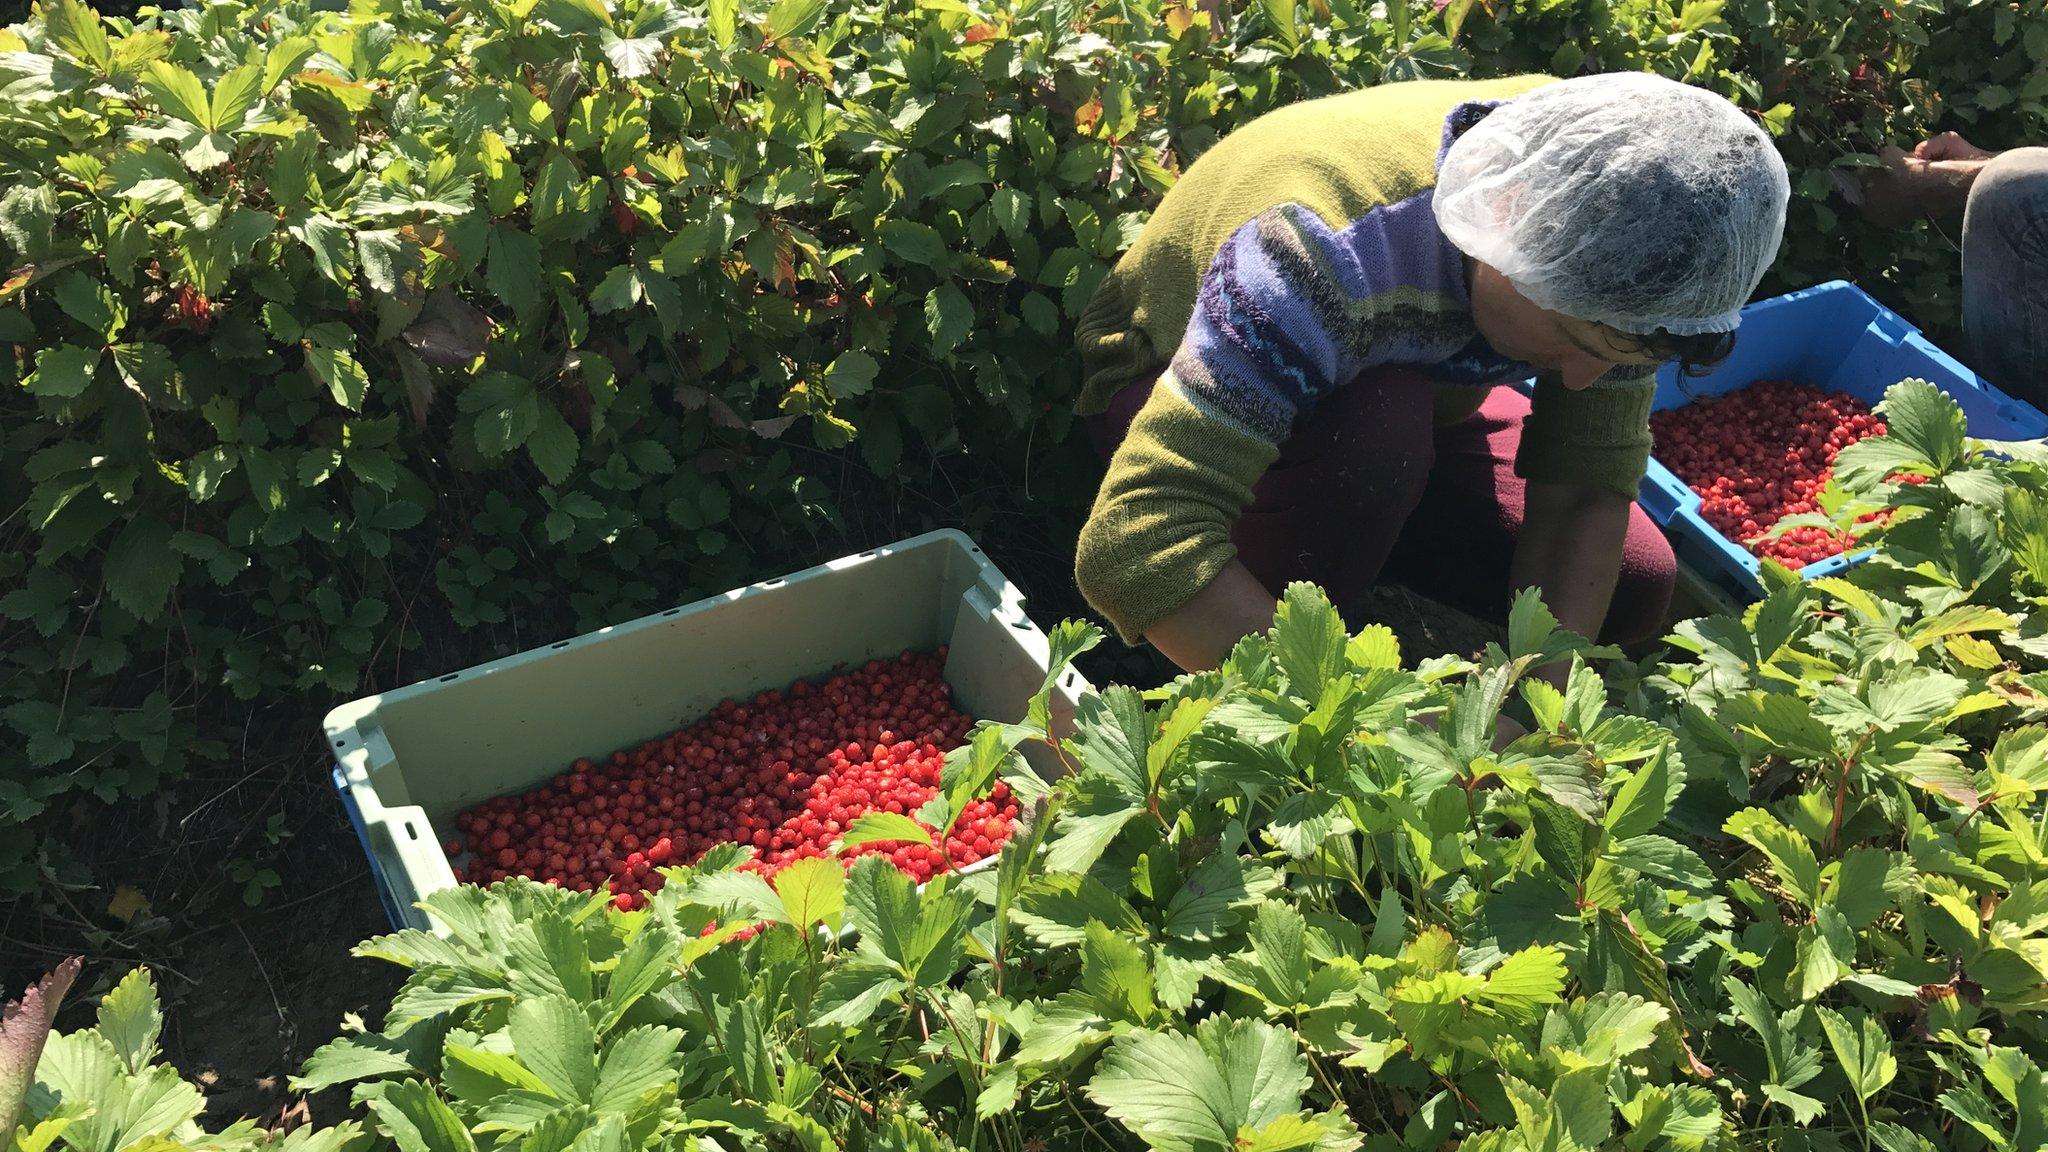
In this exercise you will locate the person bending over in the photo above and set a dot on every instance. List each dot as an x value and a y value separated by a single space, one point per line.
1302 369
2003 199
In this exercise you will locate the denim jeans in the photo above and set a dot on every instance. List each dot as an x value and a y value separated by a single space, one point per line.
2005 274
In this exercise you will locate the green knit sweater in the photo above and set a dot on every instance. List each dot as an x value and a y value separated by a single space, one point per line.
1298 253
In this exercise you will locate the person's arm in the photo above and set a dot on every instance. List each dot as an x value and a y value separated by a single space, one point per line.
1201 633
1273 330
1570 551
1583 453
1934 179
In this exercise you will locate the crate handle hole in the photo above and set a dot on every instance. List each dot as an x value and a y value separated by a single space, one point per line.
672 612
559 644
1069 679
1021 624
451 676
341 743
412 830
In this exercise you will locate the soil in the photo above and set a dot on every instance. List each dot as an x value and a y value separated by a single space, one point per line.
252 989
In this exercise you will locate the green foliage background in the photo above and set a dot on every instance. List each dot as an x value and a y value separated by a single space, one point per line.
351 346
1785 891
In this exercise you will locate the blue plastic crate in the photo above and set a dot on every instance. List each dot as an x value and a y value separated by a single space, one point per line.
1836 338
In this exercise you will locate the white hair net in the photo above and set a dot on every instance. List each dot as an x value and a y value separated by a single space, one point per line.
1625 199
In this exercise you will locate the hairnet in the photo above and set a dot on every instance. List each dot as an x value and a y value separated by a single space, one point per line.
1625 199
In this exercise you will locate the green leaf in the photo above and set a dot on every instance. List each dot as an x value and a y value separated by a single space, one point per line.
880 827
418 1120
512 269
142 567
235 94
744 893
1643 800
179 93
1281 18
1183 1093
63 371
1863 1050
812 890
552 445
76 28
1308 639
91 303
1921 417
131 1019
352 1058
948 316
1858 887
1056 910
1524 983
1276 970
1375 646
620 288
851 374
636 1063
1789 853
334 364
553 1038
1530 624
791 18
910 241
1602 1028
1114 972
1663 858
852 992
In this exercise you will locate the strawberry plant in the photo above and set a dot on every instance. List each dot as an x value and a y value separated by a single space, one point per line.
1775 892
350 345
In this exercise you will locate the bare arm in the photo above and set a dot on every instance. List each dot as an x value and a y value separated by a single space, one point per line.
1202 632
1570 551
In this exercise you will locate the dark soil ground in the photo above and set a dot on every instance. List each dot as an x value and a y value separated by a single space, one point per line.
255 973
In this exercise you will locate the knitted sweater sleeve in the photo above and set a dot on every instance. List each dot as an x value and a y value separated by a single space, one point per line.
1597 437
1275 328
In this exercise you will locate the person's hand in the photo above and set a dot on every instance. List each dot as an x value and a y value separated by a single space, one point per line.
1932 180
1949 146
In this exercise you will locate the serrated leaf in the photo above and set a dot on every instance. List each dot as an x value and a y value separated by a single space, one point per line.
1603 1027
1183 1093
1643 800
1308 640
352 1058
851 374
1525 982
131 1019
552 1037
880 827
63 372
552 444
635 1063
1789 853
1114 972
418 1120
142 567
1863 1050
1921 417
811 890
910 241
948 317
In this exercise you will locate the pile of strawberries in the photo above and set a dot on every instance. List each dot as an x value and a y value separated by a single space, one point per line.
1761 454
786 773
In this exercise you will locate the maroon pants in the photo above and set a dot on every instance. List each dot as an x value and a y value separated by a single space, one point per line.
1370 487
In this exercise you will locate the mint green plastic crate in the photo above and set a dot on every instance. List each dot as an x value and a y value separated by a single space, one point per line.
407 761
